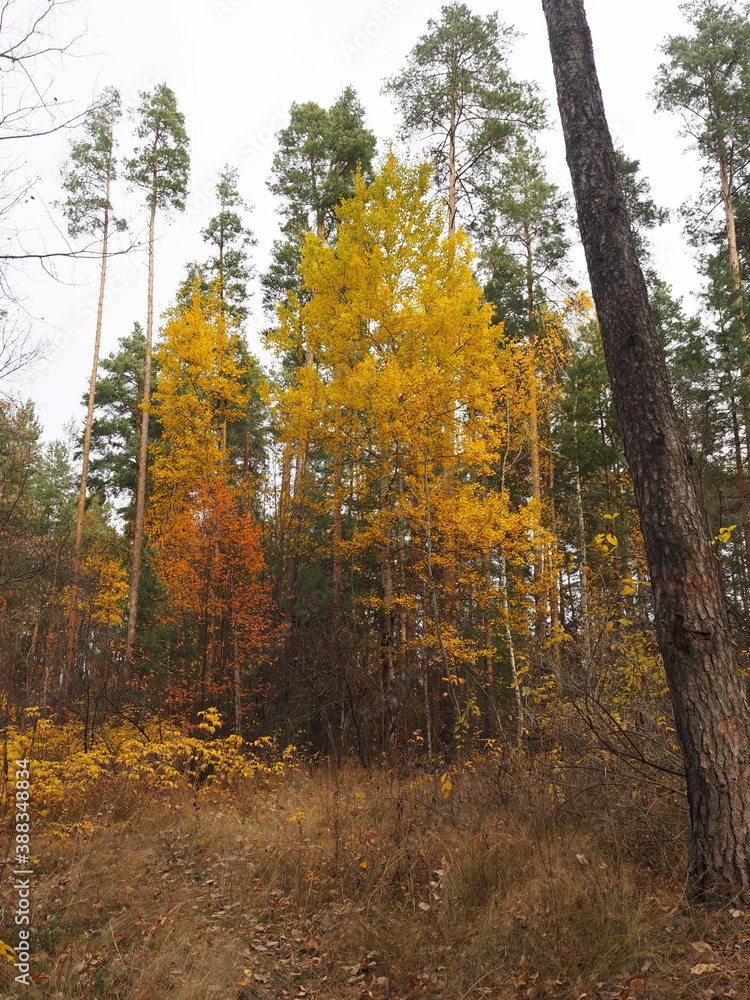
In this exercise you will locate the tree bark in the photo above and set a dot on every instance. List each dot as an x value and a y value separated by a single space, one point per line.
387 621
540 602
452 170
726 175
584 582
140 501
710 703
338 538
729 215
511 650
81 513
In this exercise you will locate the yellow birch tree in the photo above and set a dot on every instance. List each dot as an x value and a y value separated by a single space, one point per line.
404 347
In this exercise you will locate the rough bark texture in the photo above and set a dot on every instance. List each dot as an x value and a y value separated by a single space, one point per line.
710 702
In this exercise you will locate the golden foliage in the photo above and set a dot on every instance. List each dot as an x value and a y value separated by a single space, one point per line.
155 755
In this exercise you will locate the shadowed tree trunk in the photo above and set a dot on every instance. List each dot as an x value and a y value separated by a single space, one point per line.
710 703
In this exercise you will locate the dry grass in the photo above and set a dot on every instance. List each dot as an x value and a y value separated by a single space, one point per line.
337 884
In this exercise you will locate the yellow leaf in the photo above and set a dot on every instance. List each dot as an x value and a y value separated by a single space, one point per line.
7 952
446 786
725 533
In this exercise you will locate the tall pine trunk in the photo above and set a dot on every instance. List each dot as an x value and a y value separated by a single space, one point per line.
78 543
140 500
710 703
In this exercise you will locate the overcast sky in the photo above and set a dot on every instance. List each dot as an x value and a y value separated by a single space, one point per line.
235 67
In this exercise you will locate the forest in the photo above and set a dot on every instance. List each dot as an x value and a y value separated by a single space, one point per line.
342 674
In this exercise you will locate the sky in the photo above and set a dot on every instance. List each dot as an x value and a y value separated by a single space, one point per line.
236 66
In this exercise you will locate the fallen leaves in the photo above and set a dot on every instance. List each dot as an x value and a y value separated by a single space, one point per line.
703 968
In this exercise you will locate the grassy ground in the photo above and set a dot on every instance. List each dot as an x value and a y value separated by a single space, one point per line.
330 884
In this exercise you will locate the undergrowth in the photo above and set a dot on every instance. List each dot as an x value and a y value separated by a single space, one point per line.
191 867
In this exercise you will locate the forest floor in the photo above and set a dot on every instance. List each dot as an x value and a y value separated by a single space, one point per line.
329 884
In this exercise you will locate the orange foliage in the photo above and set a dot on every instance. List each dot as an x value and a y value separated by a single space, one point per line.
207 543
212 568
214 562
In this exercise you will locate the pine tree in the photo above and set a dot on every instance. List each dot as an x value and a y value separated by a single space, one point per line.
705 81
160 167
230 239
709 699
457 88
88 182
115 431
319 153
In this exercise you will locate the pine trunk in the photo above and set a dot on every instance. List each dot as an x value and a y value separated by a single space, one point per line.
338 538
540 595
78 543
727 198
140 500
710 704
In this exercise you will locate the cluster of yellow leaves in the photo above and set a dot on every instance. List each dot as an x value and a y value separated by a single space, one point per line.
161 756
208 549
200 389
412 386
725 534
108 587
103 589
605 543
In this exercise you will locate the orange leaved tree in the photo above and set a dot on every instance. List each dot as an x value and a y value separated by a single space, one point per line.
209 556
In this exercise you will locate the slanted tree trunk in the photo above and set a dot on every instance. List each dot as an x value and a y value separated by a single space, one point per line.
710 704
